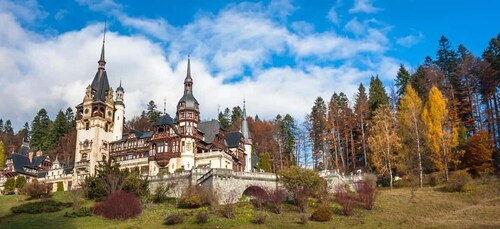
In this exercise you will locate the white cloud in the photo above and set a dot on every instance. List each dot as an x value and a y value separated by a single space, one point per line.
410 40
52 72
354 26
27 11
100 5
333 16
363 6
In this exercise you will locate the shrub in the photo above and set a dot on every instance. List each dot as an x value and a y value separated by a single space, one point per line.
276 199
9 187
459 181
179 170
134 183
301 198
98 208
174 218
435 179
121 205
20 182
259 218
202 217
322 214
60 187
229 200
295 178
258 196
345 199
160 193
93 188
36 190
367 190
193 197
82 212
40 207
303 219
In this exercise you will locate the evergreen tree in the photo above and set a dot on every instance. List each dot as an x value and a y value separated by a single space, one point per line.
25 132
8 128
288 128
361 110
59 127
224 119
402 79
377 94
420 82
1 126
152 112
317 132
265 162
490 86
236 115
40 130
70 118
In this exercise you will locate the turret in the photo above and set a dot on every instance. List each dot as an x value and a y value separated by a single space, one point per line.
119 114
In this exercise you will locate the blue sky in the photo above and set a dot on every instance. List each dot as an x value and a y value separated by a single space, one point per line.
279 55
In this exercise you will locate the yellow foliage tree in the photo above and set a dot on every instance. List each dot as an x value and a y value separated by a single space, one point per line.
383 141
442 131
410 124
2 155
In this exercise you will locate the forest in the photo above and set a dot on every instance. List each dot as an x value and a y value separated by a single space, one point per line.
441 117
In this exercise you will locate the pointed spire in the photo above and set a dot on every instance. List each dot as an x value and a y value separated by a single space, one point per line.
101 61
244 124
120 88
188 75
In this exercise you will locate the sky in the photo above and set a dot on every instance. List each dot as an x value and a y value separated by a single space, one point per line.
277 55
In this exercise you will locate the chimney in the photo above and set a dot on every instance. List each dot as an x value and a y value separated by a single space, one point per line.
30 156
39 153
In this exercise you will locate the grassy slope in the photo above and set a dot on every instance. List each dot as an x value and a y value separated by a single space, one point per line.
394 209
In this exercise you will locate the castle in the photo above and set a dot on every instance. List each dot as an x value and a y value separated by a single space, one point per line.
174 144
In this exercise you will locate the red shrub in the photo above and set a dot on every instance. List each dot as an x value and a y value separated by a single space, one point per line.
366 193
345 199
121 205
276 199
98 207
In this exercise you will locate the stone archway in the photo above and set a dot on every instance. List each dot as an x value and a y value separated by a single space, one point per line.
255 191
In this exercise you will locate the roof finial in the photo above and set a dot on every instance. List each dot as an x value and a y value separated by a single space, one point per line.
165 105
101 61
104 33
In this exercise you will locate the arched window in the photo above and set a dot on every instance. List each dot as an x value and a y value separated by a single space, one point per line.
84 157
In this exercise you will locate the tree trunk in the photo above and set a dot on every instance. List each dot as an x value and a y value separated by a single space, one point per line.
420 172
363 142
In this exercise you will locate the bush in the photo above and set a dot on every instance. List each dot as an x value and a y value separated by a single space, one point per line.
36 190
98 208
276 199
303 219
60 187
322 214
194 197
295 178
301 199
160 193
259 218
9 187
345 199
93 188
435 179
121 205
174 218
20 182
134 183
258 196
367 190
179 170
202 217
40 207
459 181
82 212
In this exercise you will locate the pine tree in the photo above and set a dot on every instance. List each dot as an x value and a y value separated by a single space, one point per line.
152 112
288 128
318 127
402 79
40 130
1 126
383 141
489 88
409 118
361 110
377 94
25 132
70 117
8 128
223 119
59 127
236 115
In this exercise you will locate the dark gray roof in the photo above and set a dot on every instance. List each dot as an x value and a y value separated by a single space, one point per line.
21 161
100 84
164 120
24 150
210 129
233 139
188 97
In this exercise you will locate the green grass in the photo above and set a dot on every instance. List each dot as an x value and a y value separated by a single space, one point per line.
398 208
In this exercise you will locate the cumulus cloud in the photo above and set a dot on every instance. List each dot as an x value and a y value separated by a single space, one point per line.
332 16
363 6
26 11
410 40
229 53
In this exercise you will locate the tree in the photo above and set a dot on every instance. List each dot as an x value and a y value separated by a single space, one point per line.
25 132
70 118
361 111
478 154
8 128
265 162
383 141
1 126
409 113
152 112
296 179
489 86
439 134
224 119
59 127
377 94
236 115
20 182
287 136
317 132
40 129
2 155
402 79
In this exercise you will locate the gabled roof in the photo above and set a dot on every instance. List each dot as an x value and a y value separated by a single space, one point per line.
164 120
233 139
21 161
210 129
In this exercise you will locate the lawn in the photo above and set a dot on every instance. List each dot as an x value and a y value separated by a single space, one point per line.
397 208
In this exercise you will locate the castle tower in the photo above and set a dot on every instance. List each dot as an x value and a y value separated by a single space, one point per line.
245 131
119 114
188 117
94 124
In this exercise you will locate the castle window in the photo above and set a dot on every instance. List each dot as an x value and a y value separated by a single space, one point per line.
84 157
87 125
